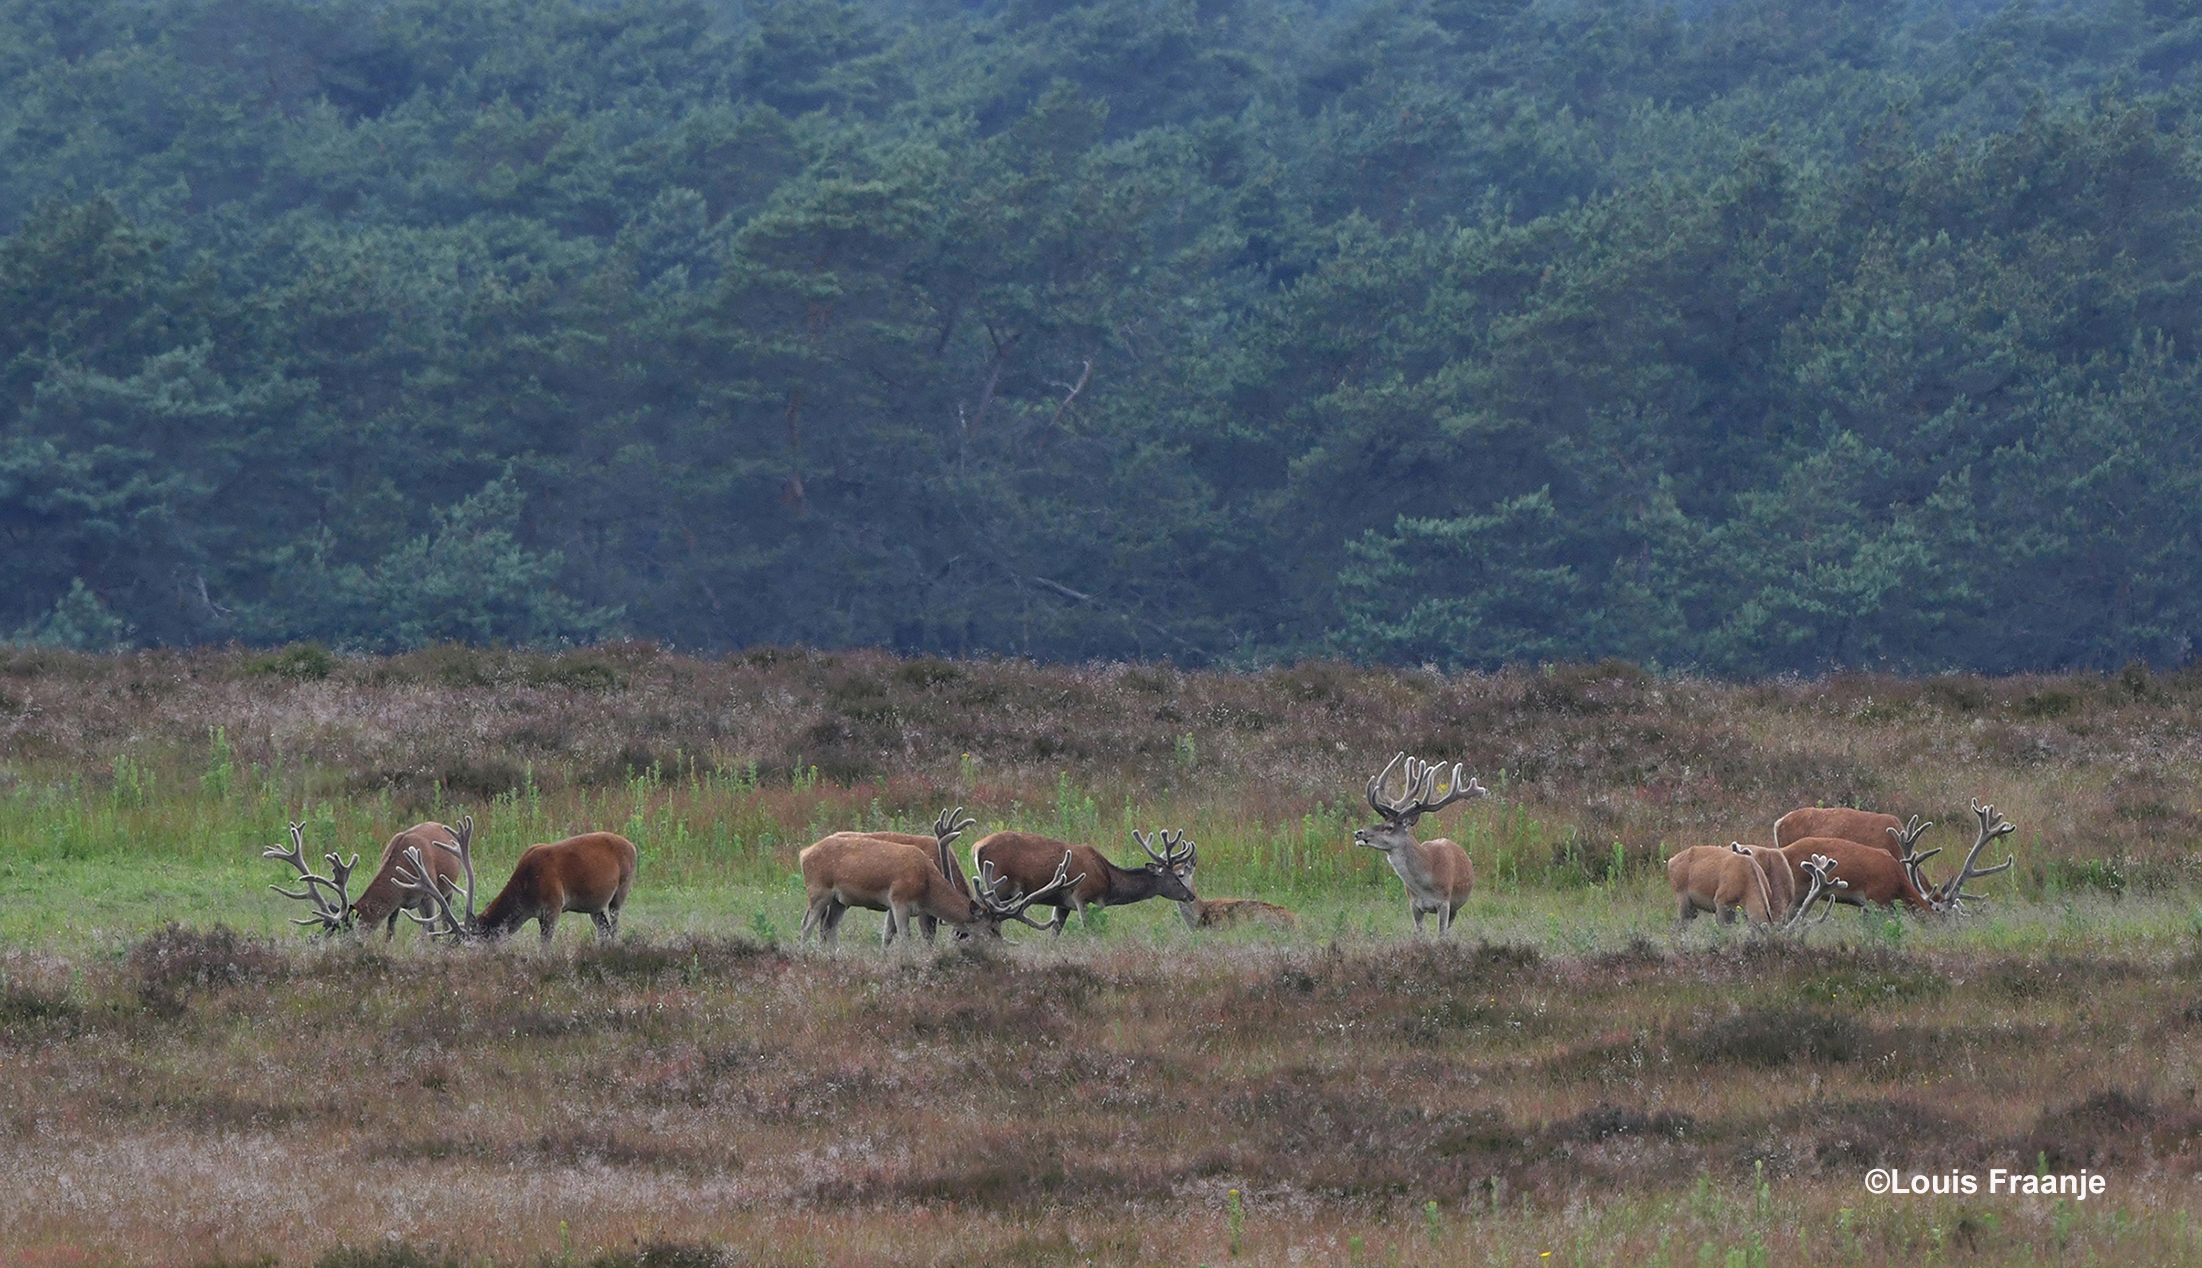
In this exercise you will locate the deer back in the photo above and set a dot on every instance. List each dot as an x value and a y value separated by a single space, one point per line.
1026 861
1872 873
1696 872
580 873
876 870
383 896
1866 827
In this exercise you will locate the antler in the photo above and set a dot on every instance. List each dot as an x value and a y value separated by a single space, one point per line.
1171 858
1415 795
1817 867
946 829
1951 896
331 916
1013 907
1907 839
414 877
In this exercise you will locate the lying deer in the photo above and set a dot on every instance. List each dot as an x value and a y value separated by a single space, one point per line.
1438 874
855 869
589 873
1221 913
1022 860
384 898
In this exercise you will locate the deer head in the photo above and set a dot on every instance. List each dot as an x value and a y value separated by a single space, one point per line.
990 913
414 877
1417 797
1173 868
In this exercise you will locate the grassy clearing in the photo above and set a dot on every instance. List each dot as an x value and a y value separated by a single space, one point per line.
1565 1076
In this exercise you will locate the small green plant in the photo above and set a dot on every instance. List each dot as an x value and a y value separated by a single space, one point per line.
1188 752
221 765
1430 1220
763 927
1354 1247
1235 1214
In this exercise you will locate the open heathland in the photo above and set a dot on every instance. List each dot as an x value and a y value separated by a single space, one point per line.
187 1080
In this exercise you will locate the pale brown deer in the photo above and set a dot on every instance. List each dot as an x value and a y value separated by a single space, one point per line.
1022 860
855 869
589 873
1438 874
1754 880
939 847
1224 913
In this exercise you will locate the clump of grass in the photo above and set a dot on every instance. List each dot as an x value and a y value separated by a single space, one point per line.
176 962
1766 1037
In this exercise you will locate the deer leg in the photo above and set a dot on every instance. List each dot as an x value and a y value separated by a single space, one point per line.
1416 908
390 927
1062 918
604 930
548 923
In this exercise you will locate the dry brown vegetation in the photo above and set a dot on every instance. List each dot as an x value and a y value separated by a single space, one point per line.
212 1097
2103 773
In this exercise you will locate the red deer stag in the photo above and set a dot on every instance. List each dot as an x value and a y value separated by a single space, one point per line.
1222 913
588 873
1866 827
853 869
1871 875
384 896
1437 874
939 848
1022 860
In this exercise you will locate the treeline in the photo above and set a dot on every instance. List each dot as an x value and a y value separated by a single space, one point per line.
1752 337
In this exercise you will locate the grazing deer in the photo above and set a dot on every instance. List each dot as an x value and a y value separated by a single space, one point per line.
384 896
588 873
1437 874
1022 860
938 847
1871 875
1866 827
1221 913
1755 880
855 869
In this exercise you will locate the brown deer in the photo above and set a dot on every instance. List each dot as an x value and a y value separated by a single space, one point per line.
1022 860
384 896
855 869
1223 913
939 848
1438 874
1871 875
1866 827
1723 880
589 873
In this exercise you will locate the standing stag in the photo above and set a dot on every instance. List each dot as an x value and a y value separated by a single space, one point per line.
385 896
1437 874
856 869
1023 860
588 873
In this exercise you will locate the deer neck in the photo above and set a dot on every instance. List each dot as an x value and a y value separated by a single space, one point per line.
1120 885
1413 869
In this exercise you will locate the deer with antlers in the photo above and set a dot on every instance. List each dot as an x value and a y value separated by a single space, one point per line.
1438 874
385 896
590 873
939 848
1023 860
1888 874
857 869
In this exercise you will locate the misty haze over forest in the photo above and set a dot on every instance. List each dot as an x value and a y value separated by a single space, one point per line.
1775 335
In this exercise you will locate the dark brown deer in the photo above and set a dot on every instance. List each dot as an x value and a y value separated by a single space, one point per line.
1438 874
589 873
856 869
1871 875
1023 860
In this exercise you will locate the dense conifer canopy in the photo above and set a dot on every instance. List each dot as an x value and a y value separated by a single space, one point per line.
1745 336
